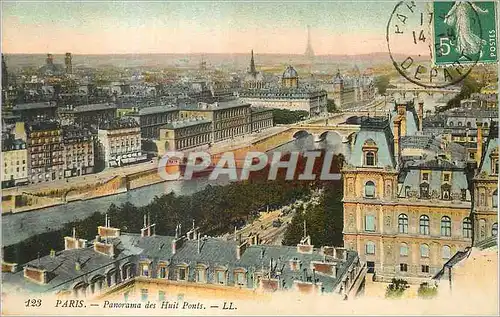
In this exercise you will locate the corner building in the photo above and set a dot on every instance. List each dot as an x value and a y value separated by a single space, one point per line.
406 204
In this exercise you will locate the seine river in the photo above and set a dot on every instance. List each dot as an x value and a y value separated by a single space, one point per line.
20 226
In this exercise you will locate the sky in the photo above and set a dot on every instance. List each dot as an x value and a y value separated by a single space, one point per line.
100 27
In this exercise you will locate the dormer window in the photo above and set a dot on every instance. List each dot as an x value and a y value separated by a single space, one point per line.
424 191
370 159
182 273
445 192
370 153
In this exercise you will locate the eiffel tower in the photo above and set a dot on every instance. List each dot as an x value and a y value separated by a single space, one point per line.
309 50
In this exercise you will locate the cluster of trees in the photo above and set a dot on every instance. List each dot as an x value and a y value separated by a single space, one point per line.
397 288
469 86
331 107
324 222
426 291
382 82
285 116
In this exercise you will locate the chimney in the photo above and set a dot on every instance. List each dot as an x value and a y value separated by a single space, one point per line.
176 244
479 151
199 243
396 140
420 116
240 249
78 266
52 253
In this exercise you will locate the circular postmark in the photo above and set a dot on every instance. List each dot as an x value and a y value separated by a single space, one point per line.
435 44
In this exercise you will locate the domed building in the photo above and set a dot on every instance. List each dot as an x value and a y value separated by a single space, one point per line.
290 78
289 95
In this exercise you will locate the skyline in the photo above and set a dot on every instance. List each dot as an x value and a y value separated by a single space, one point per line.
194 27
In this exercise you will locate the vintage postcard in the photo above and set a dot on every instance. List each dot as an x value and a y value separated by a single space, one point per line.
167 158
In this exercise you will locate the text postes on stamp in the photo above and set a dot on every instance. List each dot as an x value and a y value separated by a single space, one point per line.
464 32
417 38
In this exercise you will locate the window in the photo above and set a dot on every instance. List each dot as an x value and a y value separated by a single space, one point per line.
424 251
182 274
424 190
144 294
370 247
403 249
446 226
494 199
494 229
424 225
463 194
446 252
369 223
425 269
445 192
403 223
145 269
370 189
425 177
221 277
240 279
162 272
403 267
467 228
200 275
370 159
446 177
161 295
494 166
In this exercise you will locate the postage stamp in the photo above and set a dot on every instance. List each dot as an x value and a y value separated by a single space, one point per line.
465 32
442 41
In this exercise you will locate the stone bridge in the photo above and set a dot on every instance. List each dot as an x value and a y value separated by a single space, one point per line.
421 92
319 128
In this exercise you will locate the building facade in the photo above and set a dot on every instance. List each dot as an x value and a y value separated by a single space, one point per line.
262 118
93 115
349 91
120 143
35 111
78 151
15 162
406 212
152 119
45 151
229 118
485 184
187 134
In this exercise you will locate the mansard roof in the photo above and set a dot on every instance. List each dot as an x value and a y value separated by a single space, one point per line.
375 130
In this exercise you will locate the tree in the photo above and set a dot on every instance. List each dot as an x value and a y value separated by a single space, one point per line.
426 291
330 106
285 116
381 82
396 288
